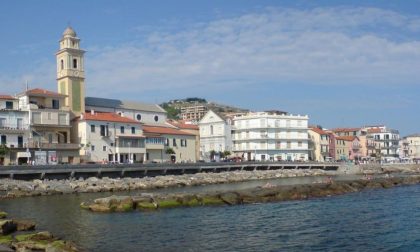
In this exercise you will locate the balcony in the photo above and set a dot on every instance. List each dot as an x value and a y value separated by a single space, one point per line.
50 118
52 146
13 130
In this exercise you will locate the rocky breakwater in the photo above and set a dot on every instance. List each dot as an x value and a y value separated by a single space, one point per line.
267 193
17 188
20 235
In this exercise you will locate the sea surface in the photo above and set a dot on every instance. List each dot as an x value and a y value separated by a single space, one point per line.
371 220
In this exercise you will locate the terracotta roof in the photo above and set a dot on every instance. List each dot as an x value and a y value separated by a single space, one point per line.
42 92
148 130
374 130
345 129
319 131
346 138
107 117
182 125
7 97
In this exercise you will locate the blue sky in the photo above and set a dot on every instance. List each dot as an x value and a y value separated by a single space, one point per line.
344 63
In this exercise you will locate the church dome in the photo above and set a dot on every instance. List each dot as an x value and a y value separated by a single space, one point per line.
69 32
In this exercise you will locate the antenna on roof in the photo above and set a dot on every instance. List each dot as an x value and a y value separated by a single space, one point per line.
27 86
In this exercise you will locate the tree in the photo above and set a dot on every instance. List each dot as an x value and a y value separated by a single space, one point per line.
212 154
169 151
226 153
3 150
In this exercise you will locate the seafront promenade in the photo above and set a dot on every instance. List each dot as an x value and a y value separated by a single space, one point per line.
148 170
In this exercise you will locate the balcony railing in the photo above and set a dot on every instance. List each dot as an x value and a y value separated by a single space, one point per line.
53 146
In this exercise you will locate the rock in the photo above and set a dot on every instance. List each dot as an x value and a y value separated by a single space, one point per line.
231 198
24 225
3 215
4 248
112 204
168 202
61 246
209 200
7 227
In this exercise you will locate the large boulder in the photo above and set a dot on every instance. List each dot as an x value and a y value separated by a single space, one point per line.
112 204
24 225
3 215
7 227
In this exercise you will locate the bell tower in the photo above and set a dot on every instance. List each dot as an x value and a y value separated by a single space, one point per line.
71 72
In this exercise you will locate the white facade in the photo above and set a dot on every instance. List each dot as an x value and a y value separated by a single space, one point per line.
386 141
14 131
412 143
107 141
271 136
215 134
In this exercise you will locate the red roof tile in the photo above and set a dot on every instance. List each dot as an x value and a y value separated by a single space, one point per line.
7 97
346 138
182 125
345 129
43 92
163 130
107 117
374 130
319 131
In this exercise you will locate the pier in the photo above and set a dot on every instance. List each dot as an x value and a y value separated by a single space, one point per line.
146 170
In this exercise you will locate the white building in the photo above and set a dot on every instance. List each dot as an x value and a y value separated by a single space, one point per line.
271 135
411 147
215 134
386 141
109 137
14 130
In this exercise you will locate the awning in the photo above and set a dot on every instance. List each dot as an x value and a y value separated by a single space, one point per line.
23 155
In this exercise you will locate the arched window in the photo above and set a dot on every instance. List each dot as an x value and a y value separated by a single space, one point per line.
62 64
156 118
74 63
211 129
138 117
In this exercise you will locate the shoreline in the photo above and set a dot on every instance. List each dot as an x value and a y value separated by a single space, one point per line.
265 194
10 188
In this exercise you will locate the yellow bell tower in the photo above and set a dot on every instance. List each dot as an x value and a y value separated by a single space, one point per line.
70 71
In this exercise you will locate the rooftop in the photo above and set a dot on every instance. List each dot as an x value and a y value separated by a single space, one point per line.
346 138
7 97
346 129
163 131
119 104
318 130
106 117
41 92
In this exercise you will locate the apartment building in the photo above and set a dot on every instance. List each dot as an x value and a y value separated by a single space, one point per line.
319 145
272 135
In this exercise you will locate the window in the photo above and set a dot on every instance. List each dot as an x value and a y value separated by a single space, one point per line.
289 145
299 144
92 128
49 116
167 142
55 104
50 138
183 142
74 63
133 130
92 148
104 130
62 64
3 140
112 144
211 130
2 122
9 105
156 118
104 148
138 116
174 142
122 129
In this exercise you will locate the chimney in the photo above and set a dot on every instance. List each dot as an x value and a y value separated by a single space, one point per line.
92 112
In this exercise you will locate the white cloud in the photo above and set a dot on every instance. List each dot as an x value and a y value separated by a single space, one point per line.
319 46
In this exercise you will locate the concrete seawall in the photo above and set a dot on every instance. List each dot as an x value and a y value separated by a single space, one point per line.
147 170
